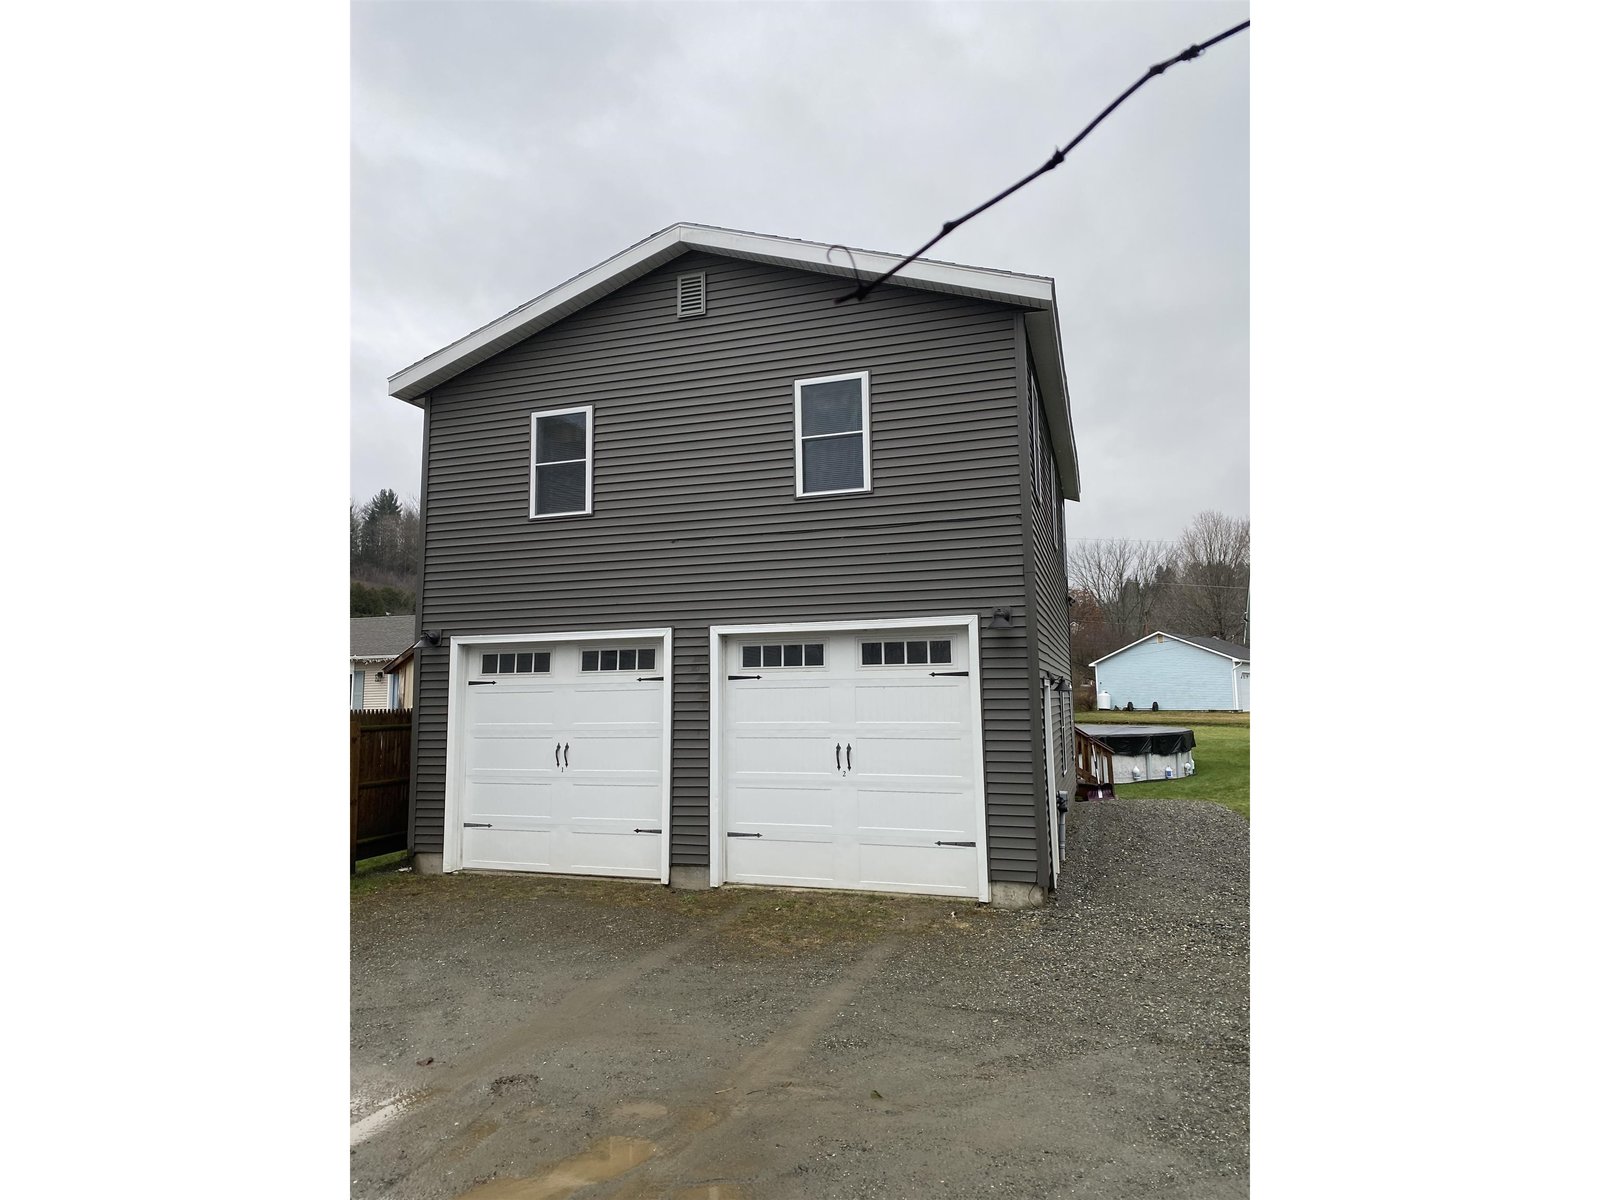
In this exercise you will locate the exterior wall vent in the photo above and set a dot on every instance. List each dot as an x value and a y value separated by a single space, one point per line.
692 294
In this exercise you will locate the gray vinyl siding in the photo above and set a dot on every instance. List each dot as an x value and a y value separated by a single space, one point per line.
1046 611
695 519
1050 604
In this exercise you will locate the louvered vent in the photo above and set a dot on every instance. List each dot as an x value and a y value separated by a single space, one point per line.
692 294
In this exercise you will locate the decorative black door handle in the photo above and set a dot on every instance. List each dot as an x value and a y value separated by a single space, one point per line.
847 765
566 755
558 756
836 764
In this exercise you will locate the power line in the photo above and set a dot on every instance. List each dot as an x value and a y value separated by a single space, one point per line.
1054 161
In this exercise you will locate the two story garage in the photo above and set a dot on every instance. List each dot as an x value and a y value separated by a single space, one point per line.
724 582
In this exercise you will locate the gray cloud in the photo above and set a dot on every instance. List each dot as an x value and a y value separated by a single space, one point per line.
498 149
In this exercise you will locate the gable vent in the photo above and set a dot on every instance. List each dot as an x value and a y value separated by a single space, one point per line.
692 294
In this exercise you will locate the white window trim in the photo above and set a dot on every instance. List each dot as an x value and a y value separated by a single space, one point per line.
866 435
588 461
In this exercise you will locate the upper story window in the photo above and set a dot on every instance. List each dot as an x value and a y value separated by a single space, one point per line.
832 435
563 455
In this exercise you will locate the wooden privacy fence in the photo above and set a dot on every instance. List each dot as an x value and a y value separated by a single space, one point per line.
380 781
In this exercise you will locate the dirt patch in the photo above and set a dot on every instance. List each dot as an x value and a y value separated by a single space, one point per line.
813 1045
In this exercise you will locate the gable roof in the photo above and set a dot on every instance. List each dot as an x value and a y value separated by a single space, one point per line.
1034 293
381 637
1228 650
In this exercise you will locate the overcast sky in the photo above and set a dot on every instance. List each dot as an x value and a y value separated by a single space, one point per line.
500 148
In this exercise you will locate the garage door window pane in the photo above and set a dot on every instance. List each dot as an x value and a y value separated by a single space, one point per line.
541 662
871 654
752 656
814 654
628 660
525 662
792 655
491 663
916 652
591 660
894 654
608 660
939 652
772 656
647 659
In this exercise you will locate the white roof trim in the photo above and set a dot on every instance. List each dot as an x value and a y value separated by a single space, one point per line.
1033 292
1174 637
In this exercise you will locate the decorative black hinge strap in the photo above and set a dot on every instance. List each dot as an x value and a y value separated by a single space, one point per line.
733 834
744 677
647 831
946 672
650 679
476 825
479 682
955 843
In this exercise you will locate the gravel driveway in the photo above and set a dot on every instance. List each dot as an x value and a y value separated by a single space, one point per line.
539 1038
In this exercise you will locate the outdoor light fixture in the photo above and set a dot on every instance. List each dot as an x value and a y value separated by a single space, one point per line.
1000 618
431 636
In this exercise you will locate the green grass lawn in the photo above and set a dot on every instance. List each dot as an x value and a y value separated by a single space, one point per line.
1221 756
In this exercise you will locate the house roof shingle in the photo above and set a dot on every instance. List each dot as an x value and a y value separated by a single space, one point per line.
381 637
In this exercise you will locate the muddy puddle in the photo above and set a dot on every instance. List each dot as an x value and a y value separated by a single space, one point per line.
605 1160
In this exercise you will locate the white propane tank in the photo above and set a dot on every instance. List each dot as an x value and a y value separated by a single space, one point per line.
1169 772
1138 773
1188 767
1103 701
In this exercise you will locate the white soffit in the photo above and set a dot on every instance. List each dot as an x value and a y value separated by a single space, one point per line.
1033 292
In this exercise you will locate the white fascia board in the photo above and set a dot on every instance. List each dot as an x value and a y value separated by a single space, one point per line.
1174 637
1030 291
413 382
1044 336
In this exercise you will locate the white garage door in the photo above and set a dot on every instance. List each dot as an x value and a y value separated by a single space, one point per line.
849 761
561 762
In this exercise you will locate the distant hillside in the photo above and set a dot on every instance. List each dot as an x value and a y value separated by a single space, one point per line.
384 536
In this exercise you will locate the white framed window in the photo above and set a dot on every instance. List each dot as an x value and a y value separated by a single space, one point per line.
832 435
562 475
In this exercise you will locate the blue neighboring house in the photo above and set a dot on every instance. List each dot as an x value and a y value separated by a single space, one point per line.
1178 671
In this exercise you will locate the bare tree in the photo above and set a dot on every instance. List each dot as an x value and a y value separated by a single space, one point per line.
1212 585
1124 577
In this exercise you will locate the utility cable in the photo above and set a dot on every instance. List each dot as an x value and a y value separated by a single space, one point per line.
862 289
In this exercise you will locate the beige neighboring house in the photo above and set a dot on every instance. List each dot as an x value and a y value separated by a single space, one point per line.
382 661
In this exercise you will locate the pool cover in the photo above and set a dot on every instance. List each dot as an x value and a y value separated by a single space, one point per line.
1142 739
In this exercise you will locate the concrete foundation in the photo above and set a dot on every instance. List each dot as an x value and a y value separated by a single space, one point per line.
428 864
1016 895
690 879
